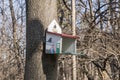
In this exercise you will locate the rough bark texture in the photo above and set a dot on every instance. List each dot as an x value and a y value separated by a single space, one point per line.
39 66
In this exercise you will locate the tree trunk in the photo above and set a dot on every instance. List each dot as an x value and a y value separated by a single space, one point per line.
74 33
91 10
39 66
13 22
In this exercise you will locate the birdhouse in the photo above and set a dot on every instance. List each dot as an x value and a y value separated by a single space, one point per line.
58 43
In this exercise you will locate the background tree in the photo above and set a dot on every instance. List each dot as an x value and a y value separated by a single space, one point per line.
11 57
96 29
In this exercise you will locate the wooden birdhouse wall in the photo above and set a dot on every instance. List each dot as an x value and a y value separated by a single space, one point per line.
68 46
53 43
58 43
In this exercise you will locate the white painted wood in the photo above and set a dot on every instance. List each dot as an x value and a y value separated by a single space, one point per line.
54 27
53 42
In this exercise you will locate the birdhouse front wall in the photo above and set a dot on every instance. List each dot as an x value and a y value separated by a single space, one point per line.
53 44
54 27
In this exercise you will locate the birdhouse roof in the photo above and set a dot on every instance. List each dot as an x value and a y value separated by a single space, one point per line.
63 35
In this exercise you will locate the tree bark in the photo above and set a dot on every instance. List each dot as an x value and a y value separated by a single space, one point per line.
91 10
13 21
74 33
39 66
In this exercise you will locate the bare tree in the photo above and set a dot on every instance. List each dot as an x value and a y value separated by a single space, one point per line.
98 46
11 57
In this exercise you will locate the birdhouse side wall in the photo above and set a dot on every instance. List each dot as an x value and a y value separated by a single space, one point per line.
68 46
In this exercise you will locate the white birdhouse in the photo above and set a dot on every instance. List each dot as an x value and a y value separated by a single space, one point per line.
58 43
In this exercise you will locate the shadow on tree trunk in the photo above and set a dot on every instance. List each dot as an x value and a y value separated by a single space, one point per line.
38 64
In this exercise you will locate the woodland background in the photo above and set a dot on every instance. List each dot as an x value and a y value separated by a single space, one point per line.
97 25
